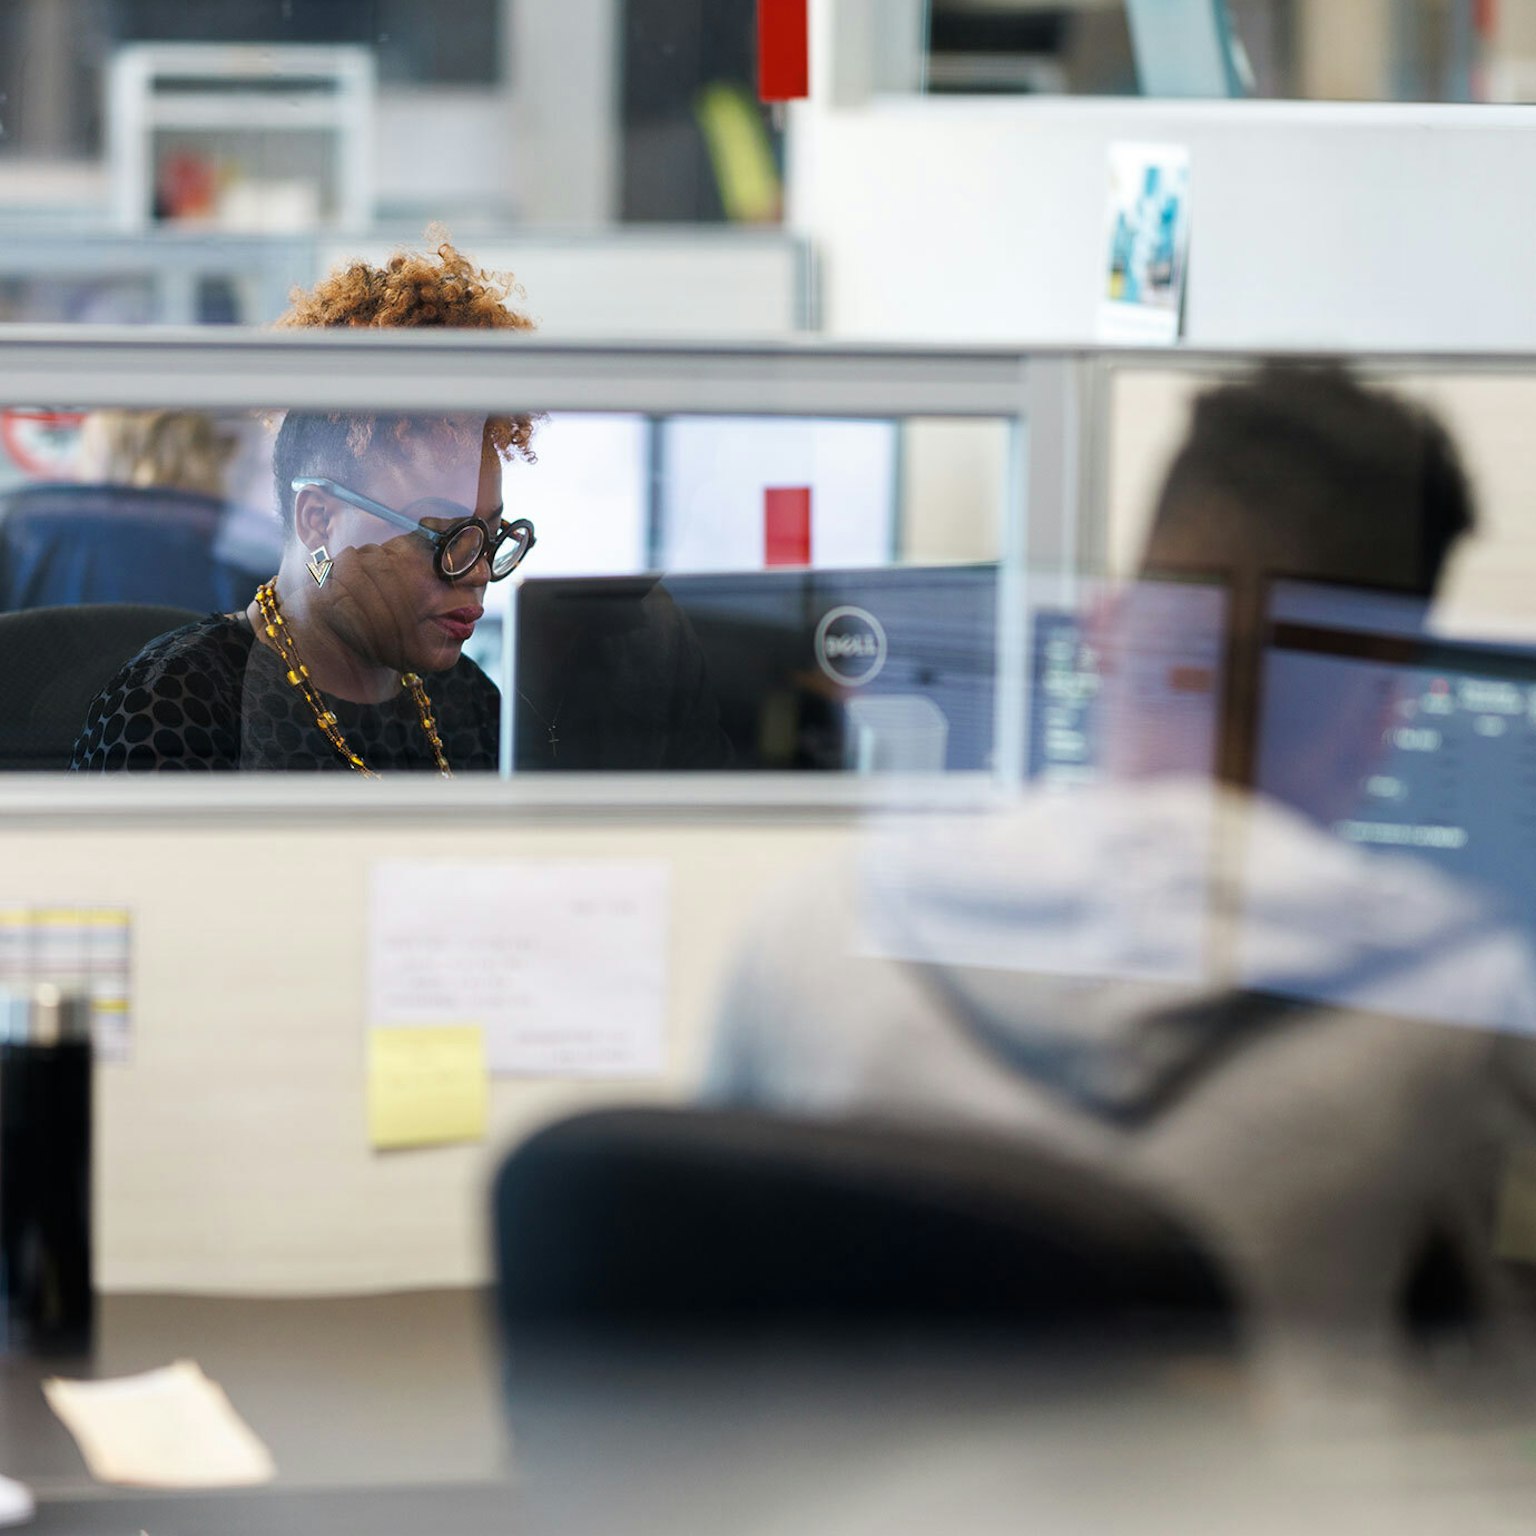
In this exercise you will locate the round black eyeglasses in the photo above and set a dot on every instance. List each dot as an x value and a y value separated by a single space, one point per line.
456 549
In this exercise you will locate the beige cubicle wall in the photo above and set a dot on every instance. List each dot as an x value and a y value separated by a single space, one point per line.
953 489
233 1152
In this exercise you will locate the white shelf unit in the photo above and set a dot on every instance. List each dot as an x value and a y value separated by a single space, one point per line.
254 92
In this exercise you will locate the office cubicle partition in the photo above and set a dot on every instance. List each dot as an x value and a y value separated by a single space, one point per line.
250 893
671 460
664 461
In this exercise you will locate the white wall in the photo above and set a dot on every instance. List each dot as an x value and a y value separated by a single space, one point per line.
1314 225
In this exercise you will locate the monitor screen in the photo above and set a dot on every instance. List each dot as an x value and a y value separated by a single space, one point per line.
1398 741
1128 681
1444 750
890 669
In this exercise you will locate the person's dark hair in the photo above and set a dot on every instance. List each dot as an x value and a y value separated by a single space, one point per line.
1302 471
412 289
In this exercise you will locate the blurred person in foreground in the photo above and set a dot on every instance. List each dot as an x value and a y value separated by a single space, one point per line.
349 657
1079 969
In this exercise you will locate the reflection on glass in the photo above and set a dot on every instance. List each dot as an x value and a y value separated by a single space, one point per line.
1126 682
603 661
1258 938
141 506
1431 758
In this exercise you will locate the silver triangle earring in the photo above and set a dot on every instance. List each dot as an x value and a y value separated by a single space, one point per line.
319 565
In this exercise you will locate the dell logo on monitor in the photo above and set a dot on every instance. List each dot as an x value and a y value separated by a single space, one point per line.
850 645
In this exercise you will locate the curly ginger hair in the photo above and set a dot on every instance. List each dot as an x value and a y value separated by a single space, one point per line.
441 288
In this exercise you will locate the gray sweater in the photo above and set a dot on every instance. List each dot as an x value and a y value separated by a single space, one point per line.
1322 1057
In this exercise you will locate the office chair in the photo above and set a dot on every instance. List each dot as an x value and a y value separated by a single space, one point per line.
56 661
115 544
710 1220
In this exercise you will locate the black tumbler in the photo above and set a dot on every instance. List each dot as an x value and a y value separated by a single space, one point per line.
45 1170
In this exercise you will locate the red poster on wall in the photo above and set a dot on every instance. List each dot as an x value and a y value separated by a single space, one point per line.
783 50
787 525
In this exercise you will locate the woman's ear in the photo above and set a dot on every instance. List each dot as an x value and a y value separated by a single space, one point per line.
312 520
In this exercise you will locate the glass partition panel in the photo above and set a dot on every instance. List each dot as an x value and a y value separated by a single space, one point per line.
1487 411
1372 520
549 590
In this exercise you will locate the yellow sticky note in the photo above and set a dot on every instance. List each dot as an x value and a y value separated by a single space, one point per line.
426 1085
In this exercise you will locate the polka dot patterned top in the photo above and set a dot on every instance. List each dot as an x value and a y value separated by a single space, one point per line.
208 698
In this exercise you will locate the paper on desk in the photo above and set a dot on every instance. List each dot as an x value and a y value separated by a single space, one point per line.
169 1428
562 961
426 1085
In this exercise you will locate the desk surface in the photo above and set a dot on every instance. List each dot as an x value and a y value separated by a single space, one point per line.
382 1413
387 1415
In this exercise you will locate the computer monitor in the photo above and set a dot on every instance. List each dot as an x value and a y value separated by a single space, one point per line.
1128 680
1403 741
887 669
1446 728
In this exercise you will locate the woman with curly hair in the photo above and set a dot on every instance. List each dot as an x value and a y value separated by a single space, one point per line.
349 657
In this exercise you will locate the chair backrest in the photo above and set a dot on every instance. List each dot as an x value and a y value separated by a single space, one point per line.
114 544
56 661
718 1219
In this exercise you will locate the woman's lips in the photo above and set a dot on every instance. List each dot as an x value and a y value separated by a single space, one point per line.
459 623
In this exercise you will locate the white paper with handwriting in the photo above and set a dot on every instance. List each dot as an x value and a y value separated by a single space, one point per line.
562 962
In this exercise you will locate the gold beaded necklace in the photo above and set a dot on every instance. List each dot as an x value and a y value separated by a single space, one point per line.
282 640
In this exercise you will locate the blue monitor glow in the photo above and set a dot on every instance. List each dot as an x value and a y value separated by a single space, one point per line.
1416 752
1444 760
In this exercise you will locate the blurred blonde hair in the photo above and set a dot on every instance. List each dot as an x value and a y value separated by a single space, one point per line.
180 450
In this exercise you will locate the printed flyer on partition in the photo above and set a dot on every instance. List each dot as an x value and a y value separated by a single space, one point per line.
1148 240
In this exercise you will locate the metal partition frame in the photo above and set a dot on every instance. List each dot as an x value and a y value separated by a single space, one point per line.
216 368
